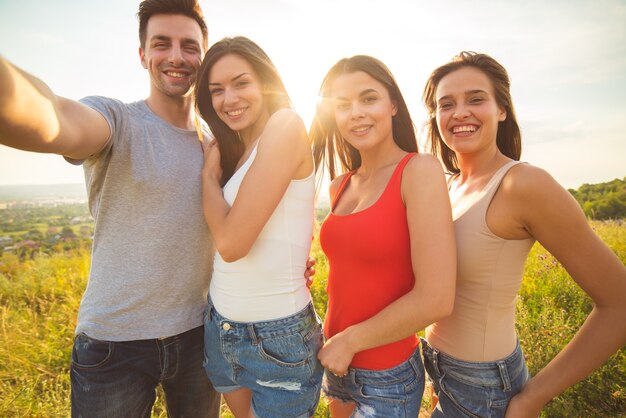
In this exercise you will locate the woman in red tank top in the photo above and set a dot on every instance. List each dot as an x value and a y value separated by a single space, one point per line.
389 241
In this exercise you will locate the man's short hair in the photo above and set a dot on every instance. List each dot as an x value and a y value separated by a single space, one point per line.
189 8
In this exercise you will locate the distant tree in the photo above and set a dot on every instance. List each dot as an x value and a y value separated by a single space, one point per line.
33 235
602 200
67 232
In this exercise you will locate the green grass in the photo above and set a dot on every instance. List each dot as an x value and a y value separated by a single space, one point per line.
39 299
550 310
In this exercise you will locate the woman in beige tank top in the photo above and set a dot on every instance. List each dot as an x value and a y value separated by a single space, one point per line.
500 207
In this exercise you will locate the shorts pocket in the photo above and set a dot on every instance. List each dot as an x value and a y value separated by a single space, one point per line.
287 350
395 387
386 393
469 399
89 353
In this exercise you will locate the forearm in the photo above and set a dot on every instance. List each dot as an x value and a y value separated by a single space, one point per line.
401 319
28 118
601 335
216 210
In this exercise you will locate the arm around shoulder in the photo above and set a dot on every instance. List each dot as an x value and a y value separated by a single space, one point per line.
33 118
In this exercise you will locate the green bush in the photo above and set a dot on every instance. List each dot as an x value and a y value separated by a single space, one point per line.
602 200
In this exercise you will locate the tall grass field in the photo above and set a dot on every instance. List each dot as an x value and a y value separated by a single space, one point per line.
39 299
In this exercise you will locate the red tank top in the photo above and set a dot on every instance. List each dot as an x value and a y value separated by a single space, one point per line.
369 256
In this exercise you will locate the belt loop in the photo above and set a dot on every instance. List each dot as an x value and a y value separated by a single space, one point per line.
210 308
252 333
413 362
436 359
504 374
352 375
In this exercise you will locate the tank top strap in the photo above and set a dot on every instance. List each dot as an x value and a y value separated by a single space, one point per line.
396 177
342 186
494 183
394 181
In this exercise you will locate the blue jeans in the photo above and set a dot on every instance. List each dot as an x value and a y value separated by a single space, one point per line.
276 360
119 379
395 392
474 389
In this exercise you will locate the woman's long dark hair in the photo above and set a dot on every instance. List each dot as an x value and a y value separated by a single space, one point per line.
328 144
508 138
275 95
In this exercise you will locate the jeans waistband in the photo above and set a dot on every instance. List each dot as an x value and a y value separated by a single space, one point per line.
498 372
300 321
411 366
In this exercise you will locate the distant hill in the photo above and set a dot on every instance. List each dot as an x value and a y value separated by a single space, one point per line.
602 200
599 201
42 191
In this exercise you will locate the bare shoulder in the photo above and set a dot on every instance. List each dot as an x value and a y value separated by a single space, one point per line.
423 182
526 181
421 167
285 118
536 199
285 128
423 161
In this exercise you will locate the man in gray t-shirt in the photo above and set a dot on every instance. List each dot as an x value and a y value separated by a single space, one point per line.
140 320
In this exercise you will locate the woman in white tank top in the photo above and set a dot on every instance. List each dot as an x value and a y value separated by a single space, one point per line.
500 207
261 332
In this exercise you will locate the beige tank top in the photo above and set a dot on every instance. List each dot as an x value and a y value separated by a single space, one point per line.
489 276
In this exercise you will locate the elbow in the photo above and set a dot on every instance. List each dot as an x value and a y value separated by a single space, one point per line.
443 306
232 253
447 308
442 312
230 257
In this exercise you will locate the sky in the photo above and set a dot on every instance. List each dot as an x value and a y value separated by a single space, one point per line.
566 60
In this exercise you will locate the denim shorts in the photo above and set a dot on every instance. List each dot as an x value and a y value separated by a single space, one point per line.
394 392
474 389
276 360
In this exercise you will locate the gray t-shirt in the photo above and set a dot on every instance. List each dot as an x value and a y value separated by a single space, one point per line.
152 251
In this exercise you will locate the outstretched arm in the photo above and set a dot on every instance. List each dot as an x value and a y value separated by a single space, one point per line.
33 118
553 217
433 256
283 154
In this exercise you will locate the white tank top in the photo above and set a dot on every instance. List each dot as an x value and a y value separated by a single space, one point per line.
268 283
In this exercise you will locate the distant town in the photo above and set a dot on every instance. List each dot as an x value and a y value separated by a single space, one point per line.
48 218
36 219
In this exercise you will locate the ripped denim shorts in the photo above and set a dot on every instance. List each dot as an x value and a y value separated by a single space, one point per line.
276 360
395 392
